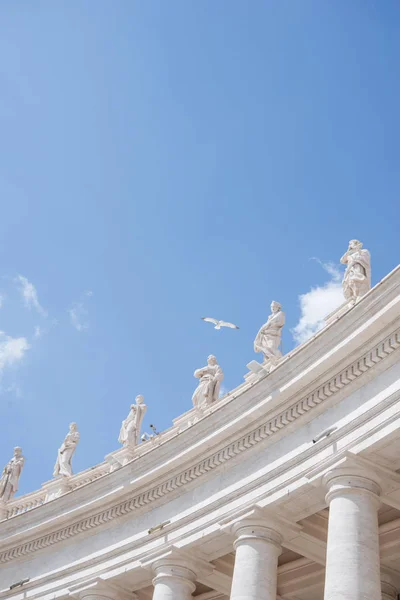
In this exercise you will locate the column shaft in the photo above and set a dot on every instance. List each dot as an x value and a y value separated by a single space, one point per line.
98 592
352 560
256 563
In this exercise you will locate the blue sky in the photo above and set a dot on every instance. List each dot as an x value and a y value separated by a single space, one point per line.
162 161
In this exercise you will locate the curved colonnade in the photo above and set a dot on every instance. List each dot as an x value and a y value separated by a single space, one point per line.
242 504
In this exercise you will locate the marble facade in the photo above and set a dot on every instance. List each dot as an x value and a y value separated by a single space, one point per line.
237 501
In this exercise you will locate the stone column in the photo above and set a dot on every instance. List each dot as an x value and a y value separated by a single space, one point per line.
352 558
257 546
173 580
176 571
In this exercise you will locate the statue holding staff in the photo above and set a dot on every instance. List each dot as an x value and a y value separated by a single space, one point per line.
268 339
129 434
10 476
63 466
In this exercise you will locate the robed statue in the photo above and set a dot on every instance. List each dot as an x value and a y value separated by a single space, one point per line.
63 466
357 277
129 434
10 476
210 378
268 339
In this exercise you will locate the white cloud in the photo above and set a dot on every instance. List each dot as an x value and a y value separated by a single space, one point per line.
38 331
78 315
30 295
14 389
12 350
88 293
318 303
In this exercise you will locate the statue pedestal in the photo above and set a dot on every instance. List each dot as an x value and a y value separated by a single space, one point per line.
113 462
120 458
191 417
56 488
258 370
3 511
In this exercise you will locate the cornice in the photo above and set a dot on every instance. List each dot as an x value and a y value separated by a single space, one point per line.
277 423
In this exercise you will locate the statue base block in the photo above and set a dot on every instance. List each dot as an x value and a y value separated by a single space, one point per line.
120 458
191 417
56 488
257 370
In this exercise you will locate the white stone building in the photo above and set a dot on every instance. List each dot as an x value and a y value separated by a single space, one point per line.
240 503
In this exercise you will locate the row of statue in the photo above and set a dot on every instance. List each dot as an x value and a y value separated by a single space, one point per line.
356 283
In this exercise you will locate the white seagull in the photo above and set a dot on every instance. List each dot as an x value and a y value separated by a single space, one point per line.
219 324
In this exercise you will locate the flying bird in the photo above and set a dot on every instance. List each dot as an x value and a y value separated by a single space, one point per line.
219 324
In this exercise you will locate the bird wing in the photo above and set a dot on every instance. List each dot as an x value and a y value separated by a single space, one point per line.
231 325
210 320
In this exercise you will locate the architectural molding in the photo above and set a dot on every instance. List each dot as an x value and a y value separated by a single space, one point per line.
283 419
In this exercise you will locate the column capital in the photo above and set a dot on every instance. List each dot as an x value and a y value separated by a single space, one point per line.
176 571
259 522
349 463
248 531
351 480
182 561
101 589
259 535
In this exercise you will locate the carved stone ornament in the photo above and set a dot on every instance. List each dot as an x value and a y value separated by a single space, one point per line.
268 339
10 476
210 378
357 278
63 466
129 434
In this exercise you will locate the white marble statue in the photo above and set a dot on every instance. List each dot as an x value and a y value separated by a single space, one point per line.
210 378
268 339
63 466
10 476
129 434
357 277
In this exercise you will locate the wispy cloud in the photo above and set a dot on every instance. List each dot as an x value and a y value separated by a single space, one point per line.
79 316
38 331
316 304
14 388
12 350
30 295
